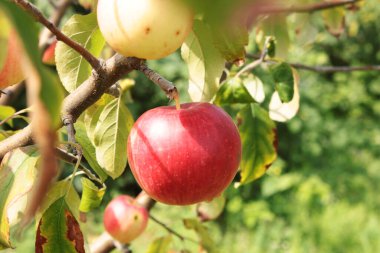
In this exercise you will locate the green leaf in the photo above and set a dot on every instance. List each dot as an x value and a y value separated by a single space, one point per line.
206 241
280 111
51 93
204 61
72 68
211 210
160 245
283 76
335 20
17 176
92 114
5 112
110 137
248 89
88 150
273 185
58 231
91 196
231 40
257 132
60 189
233 91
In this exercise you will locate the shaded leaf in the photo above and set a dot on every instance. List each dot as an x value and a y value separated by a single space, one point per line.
231 40
283 76
72 68
160 245
91 196
18 172
88 150
58 230
204 61
205 239
110 137
257 132
280 111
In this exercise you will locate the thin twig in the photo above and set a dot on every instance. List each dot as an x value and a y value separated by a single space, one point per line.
55 19
69 158
15 115
260 60
171 231
332 69
33 11
167 86
304 8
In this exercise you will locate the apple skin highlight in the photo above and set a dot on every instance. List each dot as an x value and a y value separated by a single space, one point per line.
186 156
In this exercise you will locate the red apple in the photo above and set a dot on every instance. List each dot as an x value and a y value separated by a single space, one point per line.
11 71
184 156
124 219
49 55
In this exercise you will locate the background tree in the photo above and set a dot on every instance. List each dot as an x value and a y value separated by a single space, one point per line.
319 195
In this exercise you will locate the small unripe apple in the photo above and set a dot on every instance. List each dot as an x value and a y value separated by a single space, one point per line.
124 219
146 29
184 156
11 71
49 55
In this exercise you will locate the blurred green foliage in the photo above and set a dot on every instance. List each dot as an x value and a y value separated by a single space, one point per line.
321 195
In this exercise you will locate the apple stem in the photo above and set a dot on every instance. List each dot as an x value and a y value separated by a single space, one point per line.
176 99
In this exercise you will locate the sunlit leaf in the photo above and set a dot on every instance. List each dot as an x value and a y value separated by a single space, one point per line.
204 61
58 230
92 195
160 245
72 68
5 112
280 111
211 210
233 91
335 20
60 189
110 137
18 172
257 132
92 114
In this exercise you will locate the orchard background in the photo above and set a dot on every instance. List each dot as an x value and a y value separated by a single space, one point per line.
320 192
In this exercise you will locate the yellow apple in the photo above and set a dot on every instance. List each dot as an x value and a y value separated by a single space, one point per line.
146 29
